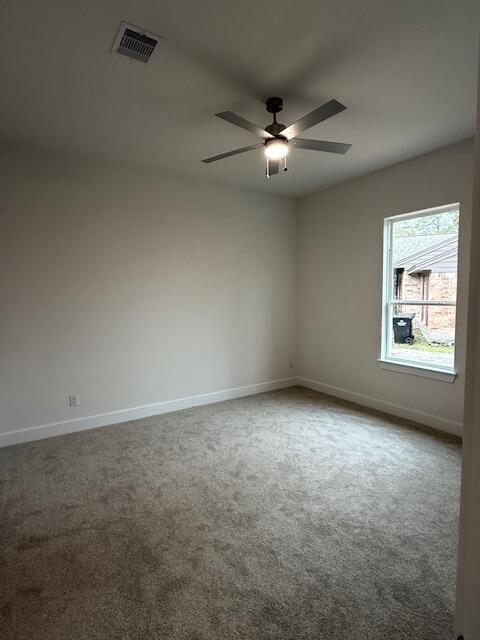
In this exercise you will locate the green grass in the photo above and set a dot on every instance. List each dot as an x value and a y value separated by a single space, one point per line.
422 345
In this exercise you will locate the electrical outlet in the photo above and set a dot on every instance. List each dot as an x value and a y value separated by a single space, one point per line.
74 401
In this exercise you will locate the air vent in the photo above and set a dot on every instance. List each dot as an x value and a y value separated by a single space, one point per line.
134 42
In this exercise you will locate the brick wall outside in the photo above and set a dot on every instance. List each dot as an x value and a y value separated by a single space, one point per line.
441 286
412 288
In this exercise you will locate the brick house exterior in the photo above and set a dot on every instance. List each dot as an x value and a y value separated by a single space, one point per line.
425 268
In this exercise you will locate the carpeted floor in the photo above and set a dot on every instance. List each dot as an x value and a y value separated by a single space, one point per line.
286 516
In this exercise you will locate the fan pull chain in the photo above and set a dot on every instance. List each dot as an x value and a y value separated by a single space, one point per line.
267 169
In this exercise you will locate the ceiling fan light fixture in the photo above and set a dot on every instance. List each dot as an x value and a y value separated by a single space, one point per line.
276 149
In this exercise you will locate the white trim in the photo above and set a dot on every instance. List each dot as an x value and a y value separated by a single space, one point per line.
431 211
124 415
437 422
415 369
387 329
424 303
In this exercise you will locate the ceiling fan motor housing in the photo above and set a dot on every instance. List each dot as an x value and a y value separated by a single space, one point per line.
275 128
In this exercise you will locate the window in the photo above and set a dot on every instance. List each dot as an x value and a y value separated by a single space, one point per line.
420 291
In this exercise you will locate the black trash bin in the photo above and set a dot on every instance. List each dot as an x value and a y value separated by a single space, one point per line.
402 328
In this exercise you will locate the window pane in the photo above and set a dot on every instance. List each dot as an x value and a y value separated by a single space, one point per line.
424 334
425 257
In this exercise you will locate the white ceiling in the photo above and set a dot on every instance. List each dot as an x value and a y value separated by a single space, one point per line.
406 69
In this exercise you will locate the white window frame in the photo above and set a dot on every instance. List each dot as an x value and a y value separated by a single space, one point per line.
386 360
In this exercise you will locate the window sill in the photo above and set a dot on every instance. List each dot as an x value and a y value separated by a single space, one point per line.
417 370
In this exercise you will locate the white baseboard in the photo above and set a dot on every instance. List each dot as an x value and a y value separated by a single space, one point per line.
114 417
124 415
442 424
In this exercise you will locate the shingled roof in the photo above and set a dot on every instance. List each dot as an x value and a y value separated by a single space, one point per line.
426 253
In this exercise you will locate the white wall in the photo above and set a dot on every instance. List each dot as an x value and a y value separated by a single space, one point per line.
467 611
131 288
340 284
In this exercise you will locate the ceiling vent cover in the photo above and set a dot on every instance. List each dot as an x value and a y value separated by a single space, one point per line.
134 42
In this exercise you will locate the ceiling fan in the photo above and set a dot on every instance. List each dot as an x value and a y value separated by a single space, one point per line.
277 138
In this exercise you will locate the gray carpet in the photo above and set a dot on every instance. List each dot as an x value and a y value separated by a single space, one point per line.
287 515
